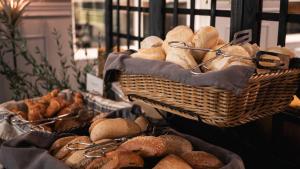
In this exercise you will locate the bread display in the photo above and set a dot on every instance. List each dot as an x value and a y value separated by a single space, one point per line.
172 162
151 41
202 160
51 105
114 128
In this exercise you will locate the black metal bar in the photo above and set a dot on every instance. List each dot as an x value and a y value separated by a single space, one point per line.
205 12
282 22
157 18
259 11
268 16
250 17
293 18
213 7
139 21
128 23
118 25
131 8
192 15
122 35
108 26
175 13
236 21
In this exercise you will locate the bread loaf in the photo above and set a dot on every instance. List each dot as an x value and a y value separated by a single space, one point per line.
123 159
202 160
146 146
114 128
59 143
176 144
172 162
151 41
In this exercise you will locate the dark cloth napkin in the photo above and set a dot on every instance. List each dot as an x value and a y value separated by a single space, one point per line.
234 78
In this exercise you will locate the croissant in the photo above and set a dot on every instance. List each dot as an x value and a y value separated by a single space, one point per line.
78 98
19 112
50 95
56 104
35 110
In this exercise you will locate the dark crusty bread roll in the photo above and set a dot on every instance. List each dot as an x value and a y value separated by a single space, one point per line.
176 144
64 151
59 143
98 163
146 146
114 128
172 162
202 160
142 122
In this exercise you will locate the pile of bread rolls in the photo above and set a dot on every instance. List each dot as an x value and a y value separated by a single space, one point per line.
51 105
163 152
207 37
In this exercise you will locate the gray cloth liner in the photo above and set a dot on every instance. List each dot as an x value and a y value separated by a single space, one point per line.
29 151
234 78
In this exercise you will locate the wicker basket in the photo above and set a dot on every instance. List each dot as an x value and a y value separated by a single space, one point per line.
265 95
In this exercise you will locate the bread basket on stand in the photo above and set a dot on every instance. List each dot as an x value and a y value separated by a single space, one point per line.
264 94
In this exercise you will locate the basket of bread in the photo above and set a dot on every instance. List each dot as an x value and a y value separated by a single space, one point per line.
201 77
120 140
56 111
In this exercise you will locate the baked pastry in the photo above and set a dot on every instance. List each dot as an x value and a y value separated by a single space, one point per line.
98 163
176 144
235 53
56 104
142 122
36 110
282 50
65 125
180 33
123 159
151 41
64 151
50 95
221 41
153 53
114 128
59 143
146 146
202 160
19 112
95 122
172 162
77 160
206 37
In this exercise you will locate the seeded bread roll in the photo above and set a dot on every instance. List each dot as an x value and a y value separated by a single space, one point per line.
59 143
172 162
64 151
202 160
146 146
176 144
114 128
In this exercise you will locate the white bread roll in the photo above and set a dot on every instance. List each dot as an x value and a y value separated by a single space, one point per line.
153 53
114 128
182 57
221 62
179 33
142 122
252 49
206 37
151 41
